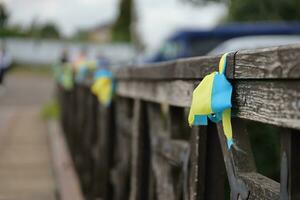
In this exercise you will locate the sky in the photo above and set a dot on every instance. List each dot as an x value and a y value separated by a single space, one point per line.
157 18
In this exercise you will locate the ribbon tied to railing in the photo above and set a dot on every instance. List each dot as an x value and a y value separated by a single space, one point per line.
82 69
103 86
212 99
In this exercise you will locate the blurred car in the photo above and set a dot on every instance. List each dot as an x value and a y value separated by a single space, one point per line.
189 43
253 42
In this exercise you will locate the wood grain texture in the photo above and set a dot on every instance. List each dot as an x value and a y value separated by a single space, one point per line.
272 102
156 159
215 170
260 186
275 63
140 145
242 155
191 68
169 157
121 169
290 179
197 168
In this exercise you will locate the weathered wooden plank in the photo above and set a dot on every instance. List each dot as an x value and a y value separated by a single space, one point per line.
197 163
169 157
140 153
275 63
174 151
104 150
242 153
191 68
261 187
215 173
243 179
78 129
162 152
89 138
237 186
122 157
290 149
272 102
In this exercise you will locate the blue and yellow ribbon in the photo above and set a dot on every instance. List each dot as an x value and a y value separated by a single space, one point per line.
83 68
103 86
212 99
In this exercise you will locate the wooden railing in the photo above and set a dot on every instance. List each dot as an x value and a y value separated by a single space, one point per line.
141 147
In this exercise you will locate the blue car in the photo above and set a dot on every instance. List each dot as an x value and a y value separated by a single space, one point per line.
189 43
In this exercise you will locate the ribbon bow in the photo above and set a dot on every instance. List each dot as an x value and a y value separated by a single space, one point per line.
83 69
212 99
103 86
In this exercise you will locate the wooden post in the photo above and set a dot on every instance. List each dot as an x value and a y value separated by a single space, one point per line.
197 163
140 153
122 157
290 176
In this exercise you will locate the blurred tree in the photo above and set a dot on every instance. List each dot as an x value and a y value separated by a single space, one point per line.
33 30
12 31
81 35
121 29
49 30
255 10
259 10
3 16
134 29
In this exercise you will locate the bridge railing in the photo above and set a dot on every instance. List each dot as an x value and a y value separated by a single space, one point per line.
141 147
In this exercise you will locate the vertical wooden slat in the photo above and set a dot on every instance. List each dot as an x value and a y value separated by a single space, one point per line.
103 154
140 153
214 170
170 151
241 152
244 181
290 140
197 163
89 140
159 128
122 157
237 186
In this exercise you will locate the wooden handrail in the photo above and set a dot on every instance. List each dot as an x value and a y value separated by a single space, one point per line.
142 148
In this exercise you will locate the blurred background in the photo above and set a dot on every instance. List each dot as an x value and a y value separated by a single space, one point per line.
126 31
38 33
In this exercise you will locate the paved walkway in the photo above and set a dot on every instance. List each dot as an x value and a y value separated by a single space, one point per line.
25 160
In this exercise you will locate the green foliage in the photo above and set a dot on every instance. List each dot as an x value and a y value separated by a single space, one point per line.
266 148
14 31
81 35
3 16
121 29
257 10
49 30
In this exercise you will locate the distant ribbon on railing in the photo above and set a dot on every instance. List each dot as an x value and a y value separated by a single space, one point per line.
65 76
82 69
103 86
212 99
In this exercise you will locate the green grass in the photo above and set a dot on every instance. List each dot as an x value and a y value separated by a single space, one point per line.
51 110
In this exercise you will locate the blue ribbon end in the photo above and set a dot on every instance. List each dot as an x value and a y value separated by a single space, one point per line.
200 120
229 143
